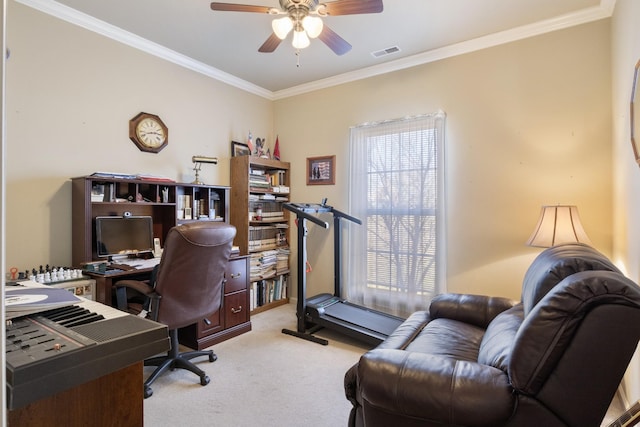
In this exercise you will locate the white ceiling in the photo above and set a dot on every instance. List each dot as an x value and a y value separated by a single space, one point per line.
225 44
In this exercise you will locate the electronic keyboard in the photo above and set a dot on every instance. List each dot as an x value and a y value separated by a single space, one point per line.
58 349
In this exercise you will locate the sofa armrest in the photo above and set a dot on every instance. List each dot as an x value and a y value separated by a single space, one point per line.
433 388
399 339
478 310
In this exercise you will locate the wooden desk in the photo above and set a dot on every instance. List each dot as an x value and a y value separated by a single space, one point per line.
231 320
114 399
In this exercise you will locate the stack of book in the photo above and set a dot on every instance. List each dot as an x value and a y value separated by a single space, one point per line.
263 264
282 260
262 237
258 180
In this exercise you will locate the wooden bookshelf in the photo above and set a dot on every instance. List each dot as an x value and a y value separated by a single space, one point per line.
259 188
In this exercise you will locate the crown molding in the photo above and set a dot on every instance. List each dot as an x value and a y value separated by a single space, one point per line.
53 8
604 10
90 23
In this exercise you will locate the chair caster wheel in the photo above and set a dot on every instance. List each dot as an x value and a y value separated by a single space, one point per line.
147 392
213 358
204 380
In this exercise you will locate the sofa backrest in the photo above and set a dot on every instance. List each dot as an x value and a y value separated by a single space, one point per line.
497 342
572 349
555 264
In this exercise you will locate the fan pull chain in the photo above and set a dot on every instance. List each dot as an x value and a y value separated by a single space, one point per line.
298 58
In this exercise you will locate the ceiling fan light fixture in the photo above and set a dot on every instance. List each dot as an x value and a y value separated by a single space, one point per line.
312 25
300 39
282 26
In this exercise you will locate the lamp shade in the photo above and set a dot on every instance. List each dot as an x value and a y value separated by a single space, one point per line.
312 25
282 26
300 39
558 224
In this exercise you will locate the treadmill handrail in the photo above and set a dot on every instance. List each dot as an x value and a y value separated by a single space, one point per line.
346 216
318 208
302 214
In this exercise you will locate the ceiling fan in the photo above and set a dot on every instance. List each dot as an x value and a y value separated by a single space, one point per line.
304 18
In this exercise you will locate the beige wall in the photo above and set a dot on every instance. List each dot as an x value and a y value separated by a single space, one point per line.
528 123
70 95
626 173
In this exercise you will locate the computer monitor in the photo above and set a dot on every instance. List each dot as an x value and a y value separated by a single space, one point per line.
118 236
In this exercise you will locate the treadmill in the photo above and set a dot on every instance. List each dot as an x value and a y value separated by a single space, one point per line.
327 310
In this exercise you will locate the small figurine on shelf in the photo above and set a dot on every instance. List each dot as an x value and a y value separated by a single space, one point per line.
276 149
250 144
260 147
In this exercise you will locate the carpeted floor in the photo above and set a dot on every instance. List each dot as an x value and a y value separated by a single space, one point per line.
266 378
261 378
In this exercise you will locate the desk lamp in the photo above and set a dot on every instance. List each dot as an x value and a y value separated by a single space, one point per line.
197 164
558 224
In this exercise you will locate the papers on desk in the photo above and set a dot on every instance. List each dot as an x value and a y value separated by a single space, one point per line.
20 301
137 263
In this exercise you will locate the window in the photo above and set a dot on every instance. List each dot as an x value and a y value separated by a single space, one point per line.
395 259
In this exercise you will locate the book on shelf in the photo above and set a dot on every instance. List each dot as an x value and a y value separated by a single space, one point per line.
148 177
97 192
113 175
267 291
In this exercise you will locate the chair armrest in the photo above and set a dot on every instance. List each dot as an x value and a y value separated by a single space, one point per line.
137 285
434 388
478 310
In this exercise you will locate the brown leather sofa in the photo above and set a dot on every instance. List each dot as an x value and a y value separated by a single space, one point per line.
555 358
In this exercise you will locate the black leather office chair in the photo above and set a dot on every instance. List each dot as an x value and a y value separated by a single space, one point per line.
187 288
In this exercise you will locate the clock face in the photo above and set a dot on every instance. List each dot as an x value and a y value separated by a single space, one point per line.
150 133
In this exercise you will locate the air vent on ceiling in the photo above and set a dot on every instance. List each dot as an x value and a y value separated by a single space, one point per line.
387 51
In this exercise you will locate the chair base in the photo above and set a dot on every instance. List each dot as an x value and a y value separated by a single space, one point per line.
175 360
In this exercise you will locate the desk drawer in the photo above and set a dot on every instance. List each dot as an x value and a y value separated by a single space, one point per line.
213 324
236 310
236 275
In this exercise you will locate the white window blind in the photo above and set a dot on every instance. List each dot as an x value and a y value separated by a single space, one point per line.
395 259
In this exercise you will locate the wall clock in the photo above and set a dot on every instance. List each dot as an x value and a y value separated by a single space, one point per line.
148 132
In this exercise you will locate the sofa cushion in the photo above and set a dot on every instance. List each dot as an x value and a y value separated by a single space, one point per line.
448 338
556 263
495 349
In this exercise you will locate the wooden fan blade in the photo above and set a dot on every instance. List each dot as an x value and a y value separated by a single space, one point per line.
232 7
336 43
270 44
352 7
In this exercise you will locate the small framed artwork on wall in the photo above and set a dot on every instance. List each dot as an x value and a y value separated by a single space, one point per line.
239 149
321 170
635 113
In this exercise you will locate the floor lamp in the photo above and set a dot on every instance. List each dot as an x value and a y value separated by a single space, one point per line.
558 224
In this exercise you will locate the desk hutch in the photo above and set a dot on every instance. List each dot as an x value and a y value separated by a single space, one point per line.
170 204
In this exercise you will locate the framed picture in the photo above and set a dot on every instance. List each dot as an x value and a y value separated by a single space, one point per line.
635 113
239 149
321 170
